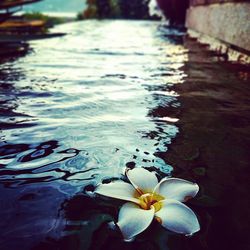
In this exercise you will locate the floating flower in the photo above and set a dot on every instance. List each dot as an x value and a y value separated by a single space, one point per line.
148 199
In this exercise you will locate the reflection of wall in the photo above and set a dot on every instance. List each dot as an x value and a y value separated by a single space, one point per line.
212 146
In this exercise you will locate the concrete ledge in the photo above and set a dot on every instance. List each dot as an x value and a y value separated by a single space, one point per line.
227 22
207 2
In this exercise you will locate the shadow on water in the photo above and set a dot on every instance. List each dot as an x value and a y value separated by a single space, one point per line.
189 118
88 228
213 146
8 91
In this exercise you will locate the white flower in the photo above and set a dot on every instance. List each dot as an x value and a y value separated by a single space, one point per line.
148 199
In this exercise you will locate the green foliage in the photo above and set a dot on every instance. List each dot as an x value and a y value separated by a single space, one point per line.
49 21
124 9
136 9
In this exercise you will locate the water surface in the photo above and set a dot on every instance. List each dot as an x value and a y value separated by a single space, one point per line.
77 109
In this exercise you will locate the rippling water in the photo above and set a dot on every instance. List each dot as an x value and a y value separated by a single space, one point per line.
82 106
74 112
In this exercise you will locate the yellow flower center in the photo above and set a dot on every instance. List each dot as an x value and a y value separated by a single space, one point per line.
151 199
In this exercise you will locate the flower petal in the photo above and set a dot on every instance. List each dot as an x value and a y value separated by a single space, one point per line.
143 180
134 220
177 217
119 190
177 189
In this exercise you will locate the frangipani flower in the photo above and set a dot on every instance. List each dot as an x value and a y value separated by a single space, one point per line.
148 199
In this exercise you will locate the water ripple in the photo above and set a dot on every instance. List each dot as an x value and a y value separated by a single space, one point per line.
78 109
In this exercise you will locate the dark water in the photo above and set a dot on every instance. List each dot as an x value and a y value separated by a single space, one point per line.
77 109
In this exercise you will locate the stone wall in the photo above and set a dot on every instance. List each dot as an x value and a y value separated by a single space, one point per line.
227 21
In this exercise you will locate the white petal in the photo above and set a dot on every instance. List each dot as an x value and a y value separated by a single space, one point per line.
177 189
142 179
134 220
177 217
119 190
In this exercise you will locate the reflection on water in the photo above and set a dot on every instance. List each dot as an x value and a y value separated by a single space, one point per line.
76 111
80 108
96 91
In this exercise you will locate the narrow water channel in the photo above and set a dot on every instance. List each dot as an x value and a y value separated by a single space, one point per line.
77 109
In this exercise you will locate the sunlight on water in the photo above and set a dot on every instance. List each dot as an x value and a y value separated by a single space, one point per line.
77 109
95 91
